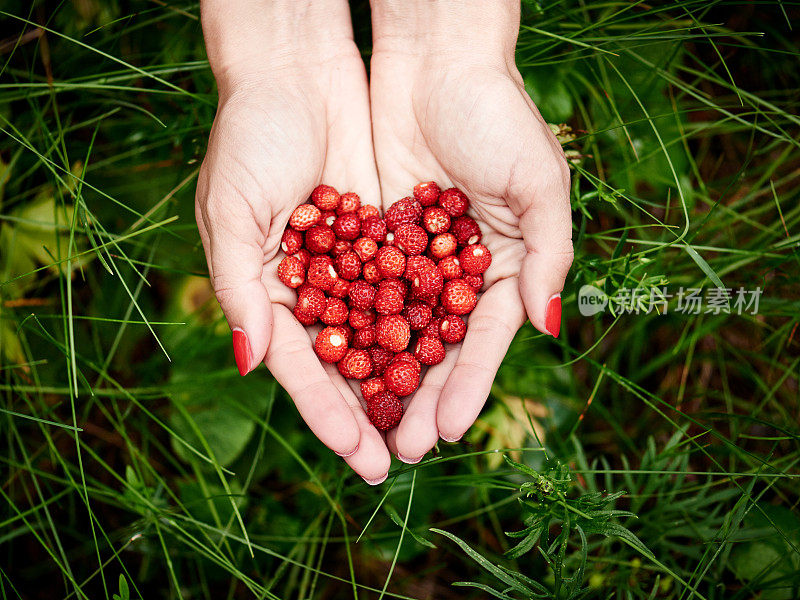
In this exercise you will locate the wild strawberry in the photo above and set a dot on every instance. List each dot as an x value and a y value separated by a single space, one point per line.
371 272
311 301
335 312
321 273
474 281
291 241
347 226
348 333
304 217
415 263
304 256
475 259
391 261
348 203
320 239
364 337
411 239
359 319
393 332
304 318
381 357
429 350
362 295
432 328
384 410
340 247
435 220
374 228
450 268
427 282
452 329
395 284
401 377
402 212
454 202
372 386
426 193
331 344
439 311
406 356
418 314
340 289
388 301
458 297
291 272
368 211
325 197
328 218
348 265
356 364
466 231
366 248
443 245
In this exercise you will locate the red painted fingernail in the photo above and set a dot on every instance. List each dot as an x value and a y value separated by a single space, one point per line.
552 316
241 351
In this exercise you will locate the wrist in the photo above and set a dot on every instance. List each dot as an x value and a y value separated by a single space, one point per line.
443 28
254 40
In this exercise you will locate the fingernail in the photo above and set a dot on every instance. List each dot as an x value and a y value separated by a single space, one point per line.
409 461
241 351
377 481
552 316
349 453
450 439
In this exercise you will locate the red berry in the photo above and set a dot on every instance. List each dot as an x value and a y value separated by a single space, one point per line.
335 312
348 265
402 212
391 261
291 241
368 211
303 317
450 268
311 301
362 295
348 203
364 337
347 226
331 344
427 193
475 259
466 231
291 272
427 282
384 410
366 248
452 329
432 328
406 356
454 202
372 386
340 289
475 281
418 314
371 272
458 297
304 256
393 332
361 318
321 273
388 301
396 284
320 239
341 246
415 263
356 364
304 217
435 220
429 350
328 218
443 245
381 357
401 377
325 197
374 228
411 239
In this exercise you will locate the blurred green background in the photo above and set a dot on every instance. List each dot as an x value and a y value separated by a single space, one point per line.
646 455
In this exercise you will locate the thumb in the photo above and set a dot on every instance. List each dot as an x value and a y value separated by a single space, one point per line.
231 240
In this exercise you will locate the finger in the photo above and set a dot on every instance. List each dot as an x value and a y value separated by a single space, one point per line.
292 361
372 459
418 432
232 242
539 192
492 326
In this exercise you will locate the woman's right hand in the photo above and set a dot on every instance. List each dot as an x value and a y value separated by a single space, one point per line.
289 118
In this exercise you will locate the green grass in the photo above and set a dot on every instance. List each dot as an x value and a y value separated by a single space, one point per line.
653 455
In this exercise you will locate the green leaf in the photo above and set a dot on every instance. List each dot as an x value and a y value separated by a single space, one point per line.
395 517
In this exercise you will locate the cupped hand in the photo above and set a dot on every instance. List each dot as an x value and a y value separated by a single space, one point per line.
463 118
278 134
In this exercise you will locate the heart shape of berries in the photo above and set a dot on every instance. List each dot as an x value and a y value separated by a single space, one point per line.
391 290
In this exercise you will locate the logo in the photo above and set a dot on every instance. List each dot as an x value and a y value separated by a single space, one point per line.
591 300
